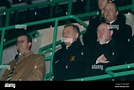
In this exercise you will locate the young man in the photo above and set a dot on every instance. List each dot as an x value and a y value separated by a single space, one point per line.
26 66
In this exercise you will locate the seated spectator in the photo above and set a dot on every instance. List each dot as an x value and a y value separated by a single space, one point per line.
121 32
89 37
106 51
71 61
26 66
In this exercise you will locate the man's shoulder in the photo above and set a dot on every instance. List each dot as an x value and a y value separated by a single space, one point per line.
128 26
95 18
59 51
12 61
124 25
37 55
83 48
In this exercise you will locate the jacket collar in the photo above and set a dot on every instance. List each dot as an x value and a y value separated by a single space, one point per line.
26 54
73 45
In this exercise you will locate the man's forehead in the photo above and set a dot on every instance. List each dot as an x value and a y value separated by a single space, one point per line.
103 26
68 29
110 4
22 37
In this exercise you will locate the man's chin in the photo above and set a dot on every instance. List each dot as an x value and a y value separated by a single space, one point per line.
67 43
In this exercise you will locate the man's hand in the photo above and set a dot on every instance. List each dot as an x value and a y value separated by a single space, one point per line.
102 40
101 59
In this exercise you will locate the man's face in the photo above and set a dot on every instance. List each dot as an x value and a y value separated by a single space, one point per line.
22 44
69 35
101 4
103 31
110 12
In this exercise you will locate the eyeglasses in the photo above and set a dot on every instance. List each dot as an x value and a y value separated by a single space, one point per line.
22 41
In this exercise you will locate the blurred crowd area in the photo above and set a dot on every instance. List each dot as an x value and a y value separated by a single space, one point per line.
40 13
46 12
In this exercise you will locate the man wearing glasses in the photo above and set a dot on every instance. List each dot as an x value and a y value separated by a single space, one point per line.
26 66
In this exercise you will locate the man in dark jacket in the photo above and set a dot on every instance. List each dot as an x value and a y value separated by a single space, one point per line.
71 61
89 37
122 32
106 51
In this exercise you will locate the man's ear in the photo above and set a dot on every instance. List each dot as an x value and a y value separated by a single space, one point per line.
76 35
111 32
117 13
29 44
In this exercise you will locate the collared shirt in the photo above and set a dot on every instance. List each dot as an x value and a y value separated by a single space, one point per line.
111 22
107 41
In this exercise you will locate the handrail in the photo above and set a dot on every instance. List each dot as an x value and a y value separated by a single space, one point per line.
69 11
58 42
110 70
47 47
88 14
123 71
3 66
35 33
41 22
7 11
92 14
3 29
44 21
69 6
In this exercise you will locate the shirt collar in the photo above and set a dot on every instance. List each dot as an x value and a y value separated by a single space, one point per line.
26 54
111 22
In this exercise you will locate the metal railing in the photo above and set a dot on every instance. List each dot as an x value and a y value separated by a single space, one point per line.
55 20
123 70
37 23
7 19
7 11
